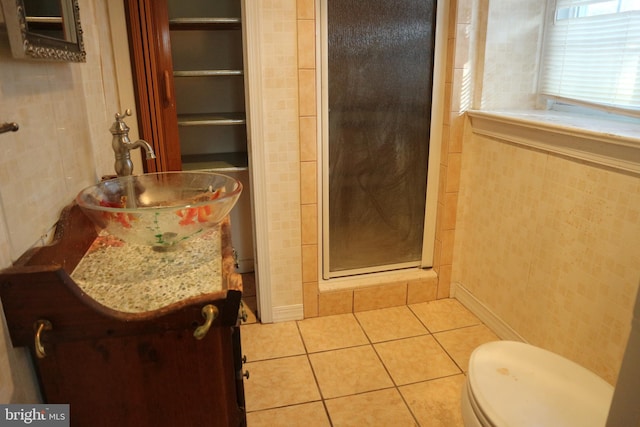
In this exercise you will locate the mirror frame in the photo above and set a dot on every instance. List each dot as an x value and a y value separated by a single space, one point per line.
28 45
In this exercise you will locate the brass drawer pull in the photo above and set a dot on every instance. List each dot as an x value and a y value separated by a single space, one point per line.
41 325
209 312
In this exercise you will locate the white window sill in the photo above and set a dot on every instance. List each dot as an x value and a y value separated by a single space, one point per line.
605 142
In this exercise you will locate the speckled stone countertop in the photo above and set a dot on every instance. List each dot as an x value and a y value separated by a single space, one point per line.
134 278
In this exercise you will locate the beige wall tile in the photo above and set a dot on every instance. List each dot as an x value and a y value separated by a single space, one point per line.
456 132
447 247
309 263
448 91
444 150
439 217
444 281
308 183
339 302
308 138
306 43
308 155
461 90
453 172
449 211
442 183
371 298
307 92
451 44
422 290
437 255
453 17
309 216
306 9
547 241
310 299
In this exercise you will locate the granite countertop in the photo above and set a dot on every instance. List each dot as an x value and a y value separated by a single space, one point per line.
135 278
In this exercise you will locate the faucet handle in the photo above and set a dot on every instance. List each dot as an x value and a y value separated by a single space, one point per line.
119 127
126 113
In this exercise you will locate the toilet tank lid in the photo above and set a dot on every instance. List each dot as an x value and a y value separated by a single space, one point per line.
517 384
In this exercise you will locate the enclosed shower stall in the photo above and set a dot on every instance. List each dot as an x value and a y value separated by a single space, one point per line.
378 62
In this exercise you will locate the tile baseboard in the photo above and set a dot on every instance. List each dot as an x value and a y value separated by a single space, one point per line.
484 313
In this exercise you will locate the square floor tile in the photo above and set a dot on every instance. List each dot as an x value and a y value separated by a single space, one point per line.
249 306
268 341
279 382
436 403
460 343
444 314
305 415
349 371
415 359
377 408
390 324
331 332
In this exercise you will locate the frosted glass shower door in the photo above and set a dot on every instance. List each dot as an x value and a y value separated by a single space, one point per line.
379 88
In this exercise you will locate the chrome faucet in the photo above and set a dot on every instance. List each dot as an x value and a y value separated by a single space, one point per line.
122 145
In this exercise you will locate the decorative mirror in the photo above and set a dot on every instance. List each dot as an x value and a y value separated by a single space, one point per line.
44 29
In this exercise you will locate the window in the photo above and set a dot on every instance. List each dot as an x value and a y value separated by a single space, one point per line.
592 54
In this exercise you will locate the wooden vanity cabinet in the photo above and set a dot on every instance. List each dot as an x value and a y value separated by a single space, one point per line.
116 368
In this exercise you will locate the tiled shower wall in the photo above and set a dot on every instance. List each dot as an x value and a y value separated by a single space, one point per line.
395 293
279 139
64 111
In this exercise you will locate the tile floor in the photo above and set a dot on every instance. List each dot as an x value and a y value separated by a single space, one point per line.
400 366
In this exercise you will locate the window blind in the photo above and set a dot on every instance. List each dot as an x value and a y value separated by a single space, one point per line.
592 53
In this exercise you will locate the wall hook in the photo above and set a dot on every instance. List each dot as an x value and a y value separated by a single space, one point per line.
9 127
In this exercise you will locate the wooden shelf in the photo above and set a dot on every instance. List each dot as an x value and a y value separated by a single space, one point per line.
207 73
217 162
211 119
186 24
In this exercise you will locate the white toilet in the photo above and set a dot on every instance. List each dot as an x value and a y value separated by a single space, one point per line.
518 385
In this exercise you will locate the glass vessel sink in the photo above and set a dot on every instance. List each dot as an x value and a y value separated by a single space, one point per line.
160 209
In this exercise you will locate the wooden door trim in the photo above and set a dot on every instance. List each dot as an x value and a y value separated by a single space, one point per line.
152 69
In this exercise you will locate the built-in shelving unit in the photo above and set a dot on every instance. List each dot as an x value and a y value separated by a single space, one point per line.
206 46
208 81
